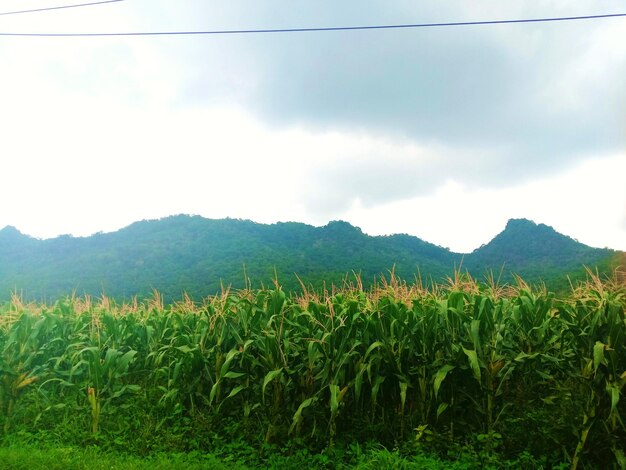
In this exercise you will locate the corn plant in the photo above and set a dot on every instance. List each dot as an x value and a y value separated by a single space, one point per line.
464 362
21 358
597 328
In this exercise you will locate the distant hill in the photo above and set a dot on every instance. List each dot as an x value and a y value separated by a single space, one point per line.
538 252
198 255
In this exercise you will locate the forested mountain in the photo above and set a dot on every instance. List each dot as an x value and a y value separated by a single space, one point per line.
538 252
197 255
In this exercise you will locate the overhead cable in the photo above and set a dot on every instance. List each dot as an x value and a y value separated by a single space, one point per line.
62 7
320 29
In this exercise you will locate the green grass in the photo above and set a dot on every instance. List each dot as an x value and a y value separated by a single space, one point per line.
73 458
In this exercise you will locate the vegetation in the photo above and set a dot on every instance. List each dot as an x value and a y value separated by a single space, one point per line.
450 375
240 457
198 256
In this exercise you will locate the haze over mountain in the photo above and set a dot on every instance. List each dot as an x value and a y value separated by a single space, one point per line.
196 255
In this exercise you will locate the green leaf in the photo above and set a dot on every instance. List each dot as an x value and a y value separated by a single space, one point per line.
125 361
403 388
234 375
522 356
614 392
373 346
185 349
473 360
269 377
358 382
377 383
598 355
334 402
176 372
441 408
235 391
619 456
440 377
312 353
297 417
125 389
213 392
229 358
475 330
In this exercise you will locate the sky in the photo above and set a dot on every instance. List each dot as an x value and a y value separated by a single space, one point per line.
442 133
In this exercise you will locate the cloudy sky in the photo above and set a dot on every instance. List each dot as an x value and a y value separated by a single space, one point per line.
443 133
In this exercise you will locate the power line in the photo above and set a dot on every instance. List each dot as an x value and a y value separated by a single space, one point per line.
59 7
323 29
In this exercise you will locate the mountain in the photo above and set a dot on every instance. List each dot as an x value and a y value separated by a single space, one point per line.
198 255
538 252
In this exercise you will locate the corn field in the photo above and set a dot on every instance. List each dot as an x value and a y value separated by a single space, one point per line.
513 368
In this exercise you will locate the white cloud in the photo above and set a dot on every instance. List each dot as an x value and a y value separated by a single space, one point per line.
586 203
442 133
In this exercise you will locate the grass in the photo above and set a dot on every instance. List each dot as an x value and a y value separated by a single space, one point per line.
73 458
92 458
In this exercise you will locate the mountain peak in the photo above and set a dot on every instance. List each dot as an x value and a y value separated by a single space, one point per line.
524 242
526 230
11 233
530 225
11 239
10 229
517 223
341 226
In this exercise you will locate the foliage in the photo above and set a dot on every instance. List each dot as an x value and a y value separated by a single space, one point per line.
462 369
72 458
